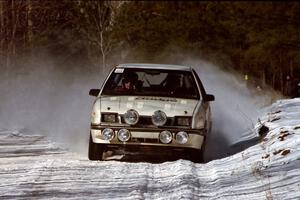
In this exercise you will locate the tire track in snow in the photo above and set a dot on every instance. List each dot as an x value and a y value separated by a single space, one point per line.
58 174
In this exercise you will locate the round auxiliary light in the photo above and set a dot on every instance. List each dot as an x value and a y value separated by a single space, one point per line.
159 118
182 137
108 134
165 137
123 135
131 117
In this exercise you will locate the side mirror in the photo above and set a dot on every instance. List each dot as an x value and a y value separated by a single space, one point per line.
94 92
209 97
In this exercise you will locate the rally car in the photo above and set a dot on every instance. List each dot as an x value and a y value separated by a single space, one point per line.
151 108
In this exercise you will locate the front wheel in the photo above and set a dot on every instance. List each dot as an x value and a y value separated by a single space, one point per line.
197 156
95 150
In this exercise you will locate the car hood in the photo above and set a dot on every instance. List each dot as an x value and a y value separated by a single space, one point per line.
147 105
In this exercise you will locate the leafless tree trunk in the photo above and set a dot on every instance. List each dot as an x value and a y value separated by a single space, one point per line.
7 35
281 74
29 24
98 16
13 28
291 68
1 31
264 83
102 26
105 48
273 79
102 52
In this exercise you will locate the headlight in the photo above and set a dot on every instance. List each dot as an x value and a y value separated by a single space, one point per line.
109 117
159 118
108 134
183 121
131 117
123 135
182 137
165 137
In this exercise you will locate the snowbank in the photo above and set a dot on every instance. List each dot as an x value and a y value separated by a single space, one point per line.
31 167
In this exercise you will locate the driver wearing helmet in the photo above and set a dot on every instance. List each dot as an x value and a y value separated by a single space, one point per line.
129 81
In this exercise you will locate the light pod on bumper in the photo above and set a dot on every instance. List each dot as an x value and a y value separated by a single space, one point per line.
123 135
182 137
165 137
131 117
159 118
108 134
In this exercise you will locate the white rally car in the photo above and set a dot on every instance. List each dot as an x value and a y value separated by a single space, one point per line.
152 108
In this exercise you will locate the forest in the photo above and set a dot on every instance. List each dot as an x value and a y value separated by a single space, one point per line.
259 40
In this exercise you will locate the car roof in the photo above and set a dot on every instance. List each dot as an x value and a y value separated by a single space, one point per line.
154 66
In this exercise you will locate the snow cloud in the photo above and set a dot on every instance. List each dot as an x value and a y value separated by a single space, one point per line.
51 98
235 109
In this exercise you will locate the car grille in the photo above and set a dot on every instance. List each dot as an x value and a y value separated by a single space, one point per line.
147 121
144 140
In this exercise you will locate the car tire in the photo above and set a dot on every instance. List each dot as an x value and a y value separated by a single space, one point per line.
95 150
198 155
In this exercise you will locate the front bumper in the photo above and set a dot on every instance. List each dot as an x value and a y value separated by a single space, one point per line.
153 154
149 137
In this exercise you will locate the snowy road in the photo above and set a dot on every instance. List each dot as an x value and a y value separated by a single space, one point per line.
33 168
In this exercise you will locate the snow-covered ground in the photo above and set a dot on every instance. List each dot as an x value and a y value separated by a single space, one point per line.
31 167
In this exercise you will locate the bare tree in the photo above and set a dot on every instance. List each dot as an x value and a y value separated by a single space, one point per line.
97 23
11 30
29 23
2 34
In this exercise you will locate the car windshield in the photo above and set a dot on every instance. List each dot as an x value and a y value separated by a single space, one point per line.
151 82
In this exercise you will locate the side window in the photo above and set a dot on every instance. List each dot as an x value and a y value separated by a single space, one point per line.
114 81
